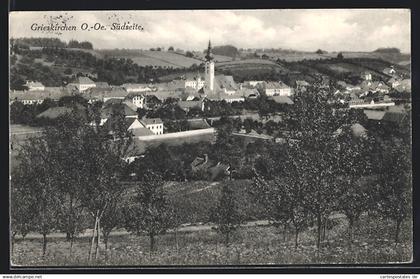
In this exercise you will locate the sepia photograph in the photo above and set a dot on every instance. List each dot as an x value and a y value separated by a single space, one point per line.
210 137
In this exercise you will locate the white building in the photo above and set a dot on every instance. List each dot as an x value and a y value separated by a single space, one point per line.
197 83
34 86
277 89
153 124
139 100
136 87
367 76
209 69
84 83
254 83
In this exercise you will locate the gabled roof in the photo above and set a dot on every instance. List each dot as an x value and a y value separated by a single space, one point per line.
107 111
85 80
101 84
374 114
189 104
139 132
36 95
151 121
34 84
225 82
56 112
195 124
112 121
281 100
275 85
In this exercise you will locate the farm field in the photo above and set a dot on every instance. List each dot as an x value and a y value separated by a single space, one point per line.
250 245
154 58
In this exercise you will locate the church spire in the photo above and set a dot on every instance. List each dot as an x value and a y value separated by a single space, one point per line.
209 55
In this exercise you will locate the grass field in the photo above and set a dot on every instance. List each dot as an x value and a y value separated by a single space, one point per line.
250 245
153 58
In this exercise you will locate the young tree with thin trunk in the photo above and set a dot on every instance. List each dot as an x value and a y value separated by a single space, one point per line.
226 215
149 211
37 175
354 166
393 189
312 122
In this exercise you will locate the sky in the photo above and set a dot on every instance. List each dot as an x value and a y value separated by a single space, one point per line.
305 30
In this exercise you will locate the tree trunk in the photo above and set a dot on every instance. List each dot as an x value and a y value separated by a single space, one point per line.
319 227
350 231
98 239
44 244
13 242
397 230
71 244
324 233
68 237
152 242
296 238
285 233
227 239
176 240
93 239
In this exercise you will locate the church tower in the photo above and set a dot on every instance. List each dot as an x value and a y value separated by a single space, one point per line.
209 68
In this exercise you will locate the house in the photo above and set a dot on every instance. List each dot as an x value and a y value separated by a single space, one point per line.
34 86
366 76
84 83
56 112
137 99
196 124
188 105
301 84
219 171
253 83
109 109
281 100
200 163
153 124
389 71
357 130
226 84
35 97
386 116
404 86
104 94
136 87
277 88
394 82
102 85
196 83
131 123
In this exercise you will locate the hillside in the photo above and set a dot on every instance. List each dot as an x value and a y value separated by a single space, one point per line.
153 58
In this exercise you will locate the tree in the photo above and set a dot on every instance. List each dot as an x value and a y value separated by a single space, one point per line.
340 56
226 215
354 197
112 218
189 54
22 206
393 189
171 48
310 145
36 175
149 211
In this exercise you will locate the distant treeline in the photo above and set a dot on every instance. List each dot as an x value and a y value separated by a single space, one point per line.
114 71
49 42
388 50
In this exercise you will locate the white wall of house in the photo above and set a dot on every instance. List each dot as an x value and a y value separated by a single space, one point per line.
138 101
136 124
85 86
286 91
156 129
